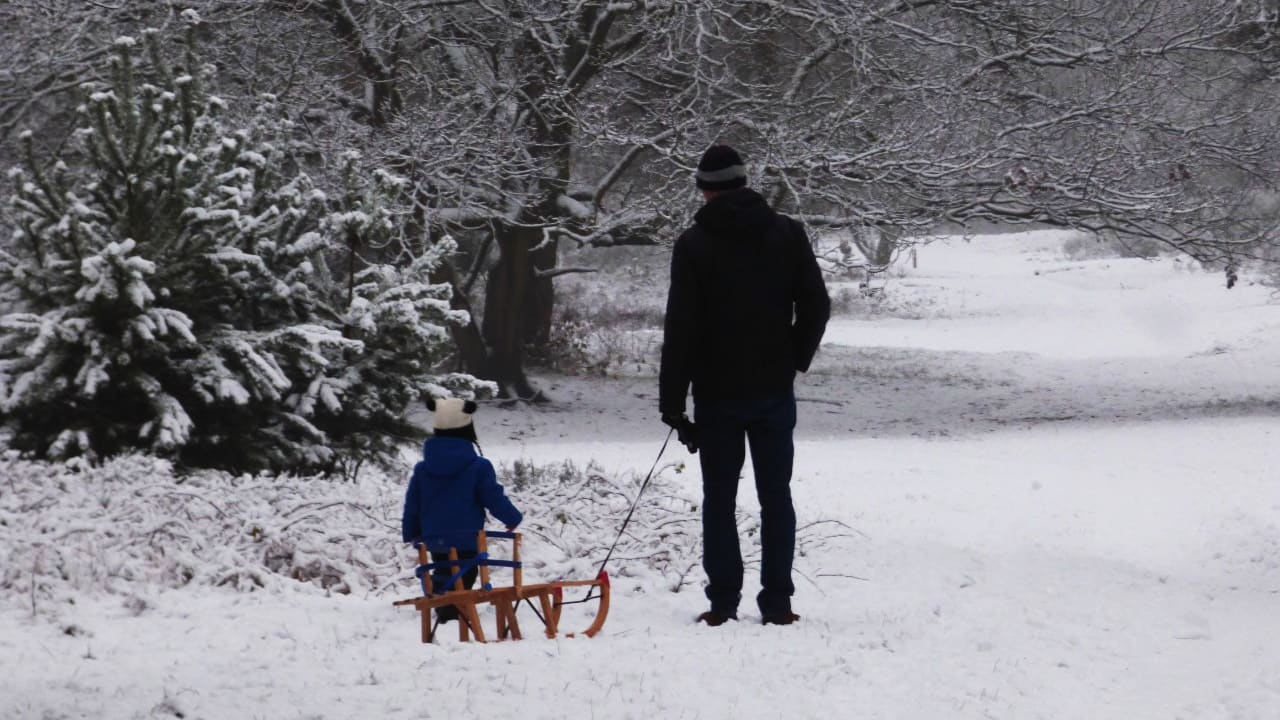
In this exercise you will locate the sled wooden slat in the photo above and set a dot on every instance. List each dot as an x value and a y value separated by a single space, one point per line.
550 614
482 547
518 573
453 568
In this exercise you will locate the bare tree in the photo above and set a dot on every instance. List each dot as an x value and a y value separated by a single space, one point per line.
529 124
1099 115
523 123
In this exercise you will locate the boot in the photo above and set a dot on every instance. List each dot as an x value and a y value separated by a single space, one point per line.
782 618
716 619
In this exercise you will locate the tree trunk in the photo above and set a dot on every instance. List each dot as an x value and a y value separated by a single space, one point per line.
540 301
505 312
472 356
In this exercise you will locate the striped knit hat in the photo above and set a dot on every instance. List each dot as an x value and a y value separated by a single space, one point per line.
721 168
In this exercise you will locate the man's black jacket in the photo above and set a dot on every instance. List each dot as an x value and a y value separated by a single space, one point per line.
747 305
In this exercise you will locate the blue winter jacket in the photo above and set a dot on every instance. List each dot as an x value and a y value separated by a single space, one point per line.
450 490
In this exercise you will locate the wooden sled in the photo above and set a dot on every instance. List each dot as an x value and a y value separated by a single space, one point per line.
549 597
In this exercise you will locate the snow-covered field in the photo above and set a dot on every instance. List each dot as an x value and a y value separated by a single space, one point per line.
1057 495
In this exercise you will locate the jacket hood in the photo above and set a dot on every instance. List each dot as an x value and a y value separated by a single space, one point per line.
447 455
740 213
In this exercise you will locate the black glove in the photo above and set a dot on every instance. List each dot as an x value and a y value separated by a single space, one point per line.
686 431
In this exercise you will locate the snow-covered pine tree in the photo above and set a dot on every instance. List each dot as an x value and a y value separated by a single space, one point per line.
399 317
193 293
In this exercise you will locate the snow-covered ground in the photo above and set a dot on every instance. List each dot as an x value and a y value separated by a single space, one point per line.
1056 495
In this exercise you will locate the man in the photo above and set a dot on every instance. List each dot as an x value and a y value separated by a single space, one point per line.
746 310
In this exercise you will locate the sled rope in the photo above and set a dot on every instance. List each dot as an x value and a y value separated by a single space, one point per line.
627 519
532 607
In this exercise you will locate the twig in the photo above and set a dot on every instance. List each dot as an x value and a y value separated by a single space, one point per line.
842 524
841 575
837 403
35 559
194 496
558 271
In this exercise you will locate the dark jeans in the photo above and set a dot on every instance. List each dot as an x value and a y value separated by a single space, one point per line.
766 424
440 579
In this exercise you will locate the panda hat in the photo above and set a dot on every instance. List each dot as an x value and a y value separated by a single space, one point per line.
453 417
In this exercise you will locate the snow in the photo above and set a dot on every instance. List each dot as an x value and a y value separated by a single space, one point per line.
114 268
354 219
1056 499
230 389
391 180
173 427
255 159
263 370
574 207
1098 308
92 374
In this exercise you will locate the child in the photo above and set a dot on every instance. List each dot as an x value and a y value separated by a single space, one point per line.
449 492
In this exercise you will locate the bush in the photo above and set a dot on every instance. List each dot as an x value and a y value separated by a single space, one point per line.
130 525
576 512
1095 246
607 323
898 300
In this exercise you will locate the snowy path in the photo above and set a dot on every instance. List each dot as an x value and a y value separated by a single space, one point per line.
1034 530
1010 335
